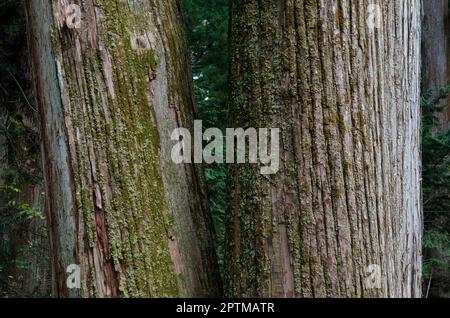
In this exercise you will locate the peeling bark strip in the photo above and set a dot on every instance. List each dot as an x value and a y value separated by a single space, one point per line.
111 88
347 195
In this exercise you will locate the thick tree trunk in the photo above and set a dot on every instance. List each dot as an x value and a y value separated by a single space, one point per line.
345 205
435 52
110 93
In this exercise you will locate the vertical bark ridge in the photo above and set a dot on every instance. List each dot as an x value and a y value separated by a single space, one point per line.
110 94
346 99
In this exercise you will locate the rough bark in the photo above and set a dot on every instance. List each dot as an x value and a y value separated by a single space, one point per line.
435 52
347 196
110 93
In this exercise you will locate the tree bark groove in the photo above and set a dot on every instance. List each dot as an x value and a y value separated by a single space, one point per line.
347 196
110 93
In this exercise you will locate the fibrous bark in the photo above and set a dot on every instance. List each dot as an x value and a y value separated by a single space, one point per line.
343 87
111 88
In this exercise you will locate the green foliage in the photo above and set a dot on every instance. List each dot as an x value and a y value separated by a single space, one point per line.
436 193
435 155
207 24
19 157
31 212
216 177
440 242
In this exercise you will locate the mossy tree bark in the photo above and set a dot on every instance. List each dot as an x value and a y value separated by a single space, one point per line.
110 93
347 196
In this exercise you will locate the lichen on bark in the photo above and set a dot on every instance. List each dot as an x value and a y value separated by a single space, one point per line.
128 233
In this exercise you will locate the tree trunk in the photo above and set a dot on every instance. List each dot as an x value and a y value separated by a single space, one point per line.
435 53
24 246
111 88
344 208
435 70
32 258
